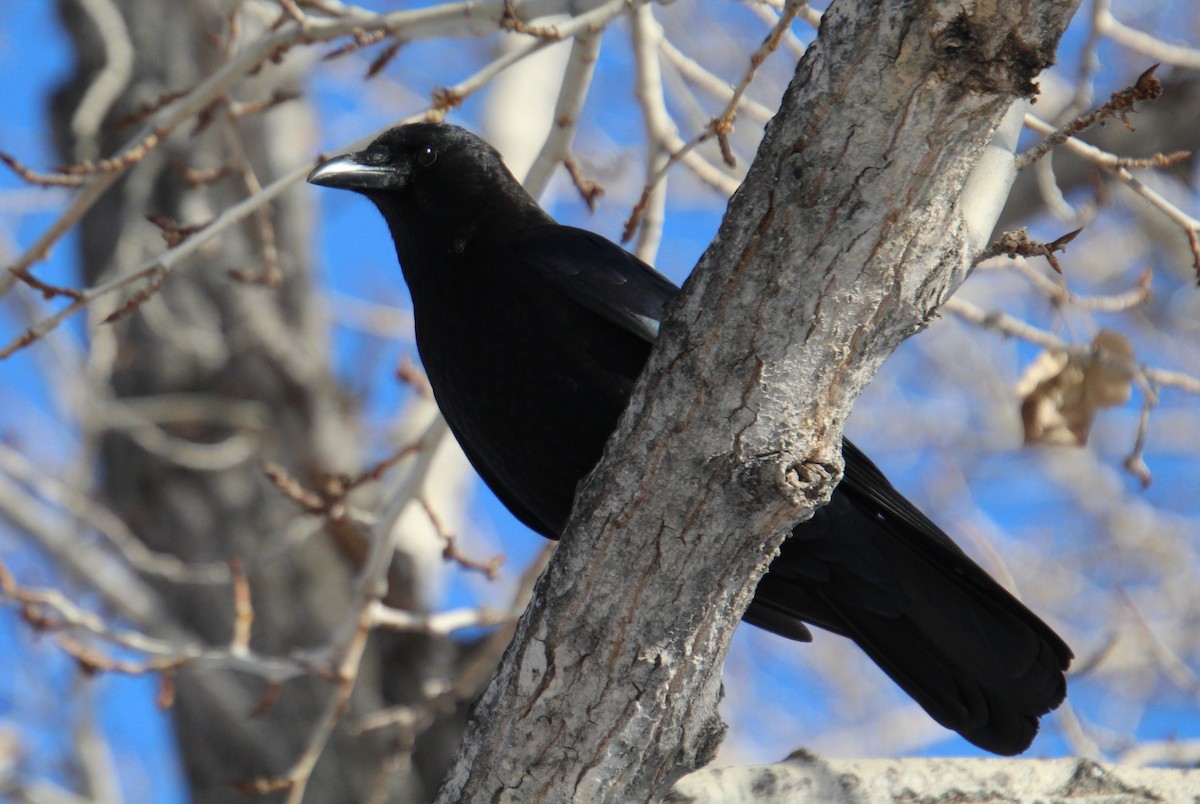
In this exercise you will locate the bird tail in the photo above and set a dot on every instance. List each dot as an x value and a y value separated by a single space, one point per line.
972 655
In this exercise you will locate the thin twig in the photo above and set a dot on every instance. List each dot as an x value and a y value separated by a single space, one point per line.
1135 462
1142 42
153 274
577 78
490 568
1111 163
243 608
1147 87
93 515
460 18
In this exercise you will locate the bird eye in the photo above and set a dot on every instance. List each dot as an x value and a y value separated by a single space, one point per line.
426 156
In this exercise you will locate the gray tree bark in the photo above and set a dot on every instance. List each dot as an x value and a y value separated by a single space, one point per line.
803 778
230 345
846 236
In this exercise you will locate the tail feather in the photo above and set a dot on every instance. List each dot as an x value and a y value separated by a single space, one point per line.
972 655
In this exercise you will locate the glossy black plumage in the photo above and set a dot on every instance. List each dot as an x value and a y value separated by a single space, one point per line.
532 335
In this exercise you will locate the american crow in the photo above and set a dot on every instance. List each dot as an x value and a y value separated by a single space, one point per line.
532 335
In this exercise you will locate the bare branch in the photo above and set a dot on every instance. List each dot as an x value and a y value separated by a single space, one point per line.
1147 87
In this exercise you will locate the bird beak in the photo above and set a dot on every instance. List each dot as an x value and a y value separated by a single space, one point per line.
354 172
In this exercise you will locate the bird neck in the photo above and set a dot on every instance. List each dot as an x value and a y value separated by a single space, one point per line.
424 232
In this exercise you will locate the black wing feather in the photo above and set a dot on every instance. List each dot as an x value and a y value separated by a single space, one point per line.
599 275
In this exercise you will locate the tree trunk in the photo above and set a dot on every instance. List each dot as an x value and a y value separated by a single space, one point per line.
253 361
850 230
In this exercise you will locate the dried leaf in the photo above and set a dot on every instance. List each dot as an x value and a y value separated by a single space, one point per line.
1060 393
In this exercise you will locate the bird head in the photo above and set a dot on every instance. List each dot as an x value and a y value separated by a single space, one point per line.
436 185
413 165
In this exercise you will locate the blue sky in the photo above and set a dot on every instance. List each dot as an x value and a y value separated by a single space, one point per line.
1008 485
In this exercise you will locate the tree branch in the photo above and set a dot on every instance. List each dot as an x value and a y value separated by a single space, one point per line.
803 777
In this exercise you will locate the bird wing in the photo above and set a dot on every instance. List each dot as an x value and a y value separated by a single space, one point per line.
869 565
599 275
863 479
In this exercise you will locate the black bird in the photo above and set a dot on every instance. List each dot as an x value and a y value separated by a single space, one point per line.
532 335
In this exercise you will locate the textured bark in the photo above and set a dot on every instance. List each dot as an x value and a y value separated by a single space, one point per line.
843 240
263 349
804 778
